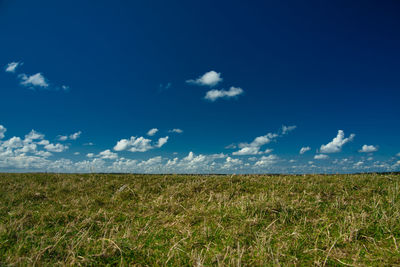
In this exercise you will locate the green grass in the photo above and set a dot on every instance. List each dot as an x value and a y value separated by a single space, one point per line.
181 220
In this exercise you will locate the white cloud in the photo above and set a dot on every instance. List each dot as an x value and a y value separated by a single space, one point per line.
11 67
27 148
75 136
34 153
13 142
210 78
231 146
304 149
266 160
2 131
247 151
62 138
43 142
33 135
398 154
321 156
44 154
138 144
176 130
56 147
162 141
122 145
214 94
336 144
287 129
107 154
358 164
65 87
77 153
152 132
368 149
254 147
34 80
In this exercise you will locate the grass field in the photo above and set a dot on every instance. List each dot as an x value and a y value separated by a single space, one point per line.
180 220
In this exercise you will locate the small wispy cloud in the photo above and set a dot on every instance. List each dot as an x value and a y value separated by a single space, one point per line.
304 149
321 156
62 138
287 129
214 94
176 130
164 87
73 136
231 146
210 78
11 67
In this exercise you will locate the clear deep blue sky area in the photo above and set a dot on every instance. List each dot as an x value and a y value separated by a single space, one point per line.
200 86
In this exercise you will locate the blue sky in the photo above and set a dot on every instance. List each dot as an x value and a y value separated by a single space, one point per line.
247 86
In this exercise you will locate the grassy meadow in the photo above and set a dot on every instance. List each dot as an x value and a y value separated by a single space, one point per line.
187 220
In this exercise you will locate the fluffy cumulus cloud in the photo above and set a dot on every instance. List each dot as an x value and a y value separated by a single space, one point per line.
2 131
139 144
11 67
337 143
214 94
29 153
210 78
368 149
35 80
152 132
175 130
321 156
254 147
33 152
56 147
107 154
304 150
266 161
